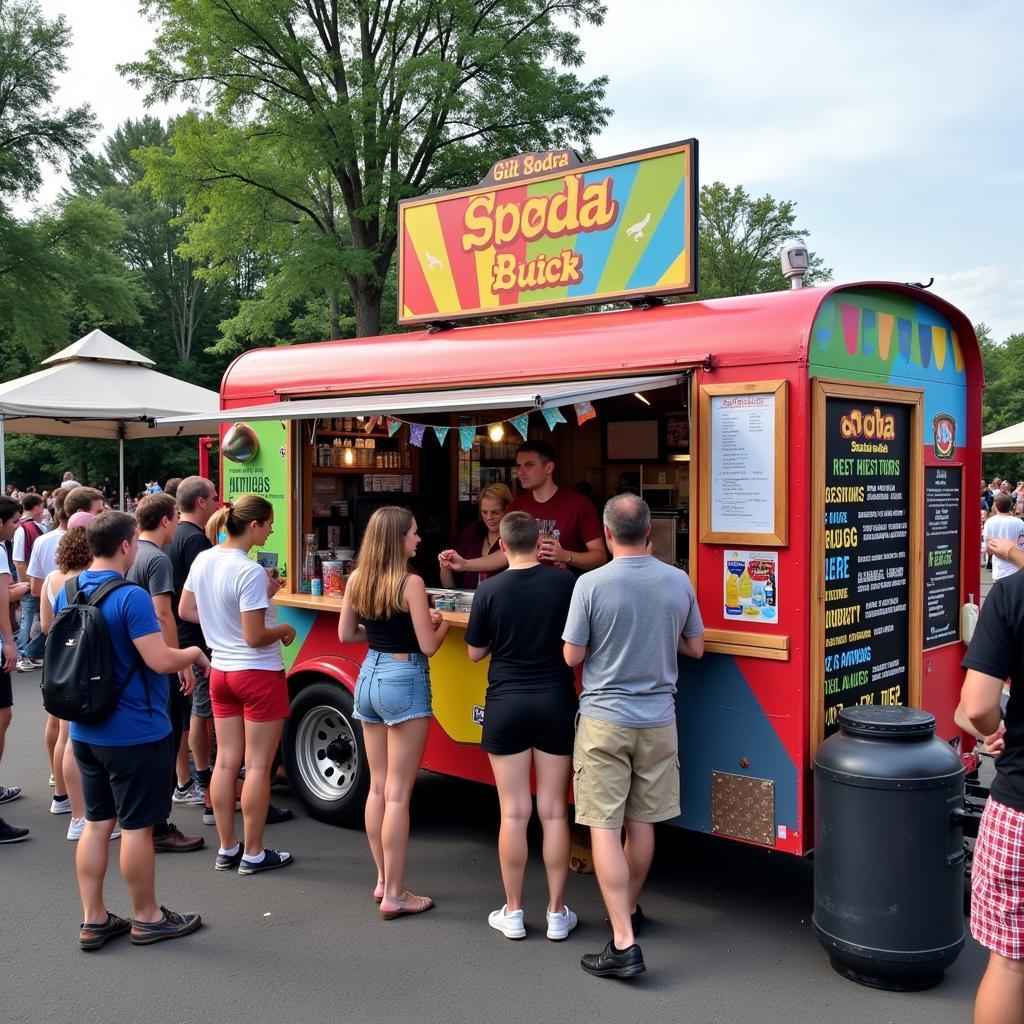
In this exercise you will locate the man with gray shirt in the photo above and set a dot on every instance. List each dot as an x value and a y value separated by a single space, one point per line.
627 623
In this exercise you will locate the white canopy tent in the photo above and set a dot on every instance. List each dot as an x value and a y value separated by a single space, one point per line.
98 387
1009 439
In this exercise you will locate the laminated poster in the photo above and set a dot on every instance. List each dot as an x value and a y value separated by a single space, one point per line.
750 586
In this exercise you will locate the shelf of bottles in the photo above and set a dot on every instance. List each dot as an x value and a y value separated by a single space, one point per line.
341 446
487 462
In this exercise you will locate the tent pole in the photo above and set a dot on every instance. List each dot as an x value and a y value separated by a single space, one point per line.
3 459
120 466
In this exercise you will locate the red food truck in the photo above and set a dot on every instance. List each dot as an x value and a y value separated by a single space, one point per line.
809 457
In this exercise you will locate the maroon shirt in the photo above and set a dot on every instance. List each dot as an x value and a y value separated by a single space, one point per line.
575 517
470 545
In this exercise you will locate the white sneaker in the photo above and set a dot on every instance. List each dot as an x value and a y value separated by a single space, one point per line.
60 806
77 827
559 925
508 922
25 665
52 781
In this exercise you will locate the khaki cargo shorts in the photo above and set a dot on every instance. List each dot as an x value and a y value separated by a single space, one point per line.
621 772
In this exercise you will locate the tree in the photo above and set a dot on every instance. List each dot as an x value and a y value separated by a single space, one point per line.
152 234
328 113
740 239
32 55
57 265
1002 401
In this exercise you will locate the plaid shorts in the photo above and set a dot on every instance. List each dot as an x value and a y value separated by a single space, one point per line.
997 881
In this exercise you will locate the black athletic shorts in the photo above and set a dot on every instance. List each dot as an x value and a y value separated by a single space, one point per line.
6 690
525 719
132 784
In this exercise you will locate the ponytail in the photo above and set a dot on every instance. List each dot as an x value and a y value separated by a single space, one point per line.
234 517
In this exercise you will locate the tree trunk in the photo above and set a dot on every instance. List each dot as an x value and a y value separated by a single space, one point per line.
335 307
367 296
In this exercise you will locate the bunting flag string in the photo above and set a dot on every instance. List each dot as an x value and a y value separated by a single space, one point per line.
466 436
521 424
371 424
393 426
441 433
416 434
584 411
552 416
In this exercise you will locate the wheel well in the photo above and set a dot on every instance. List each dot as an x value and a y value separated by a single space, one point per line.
324 670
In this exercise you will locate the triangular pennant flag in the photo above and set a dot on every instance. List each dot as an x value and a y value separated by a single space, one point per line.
466 435
371 424
939 346
416 434
924 343
552 416
521 424
850 317
393 426
441 433
886 321
584 411
904 333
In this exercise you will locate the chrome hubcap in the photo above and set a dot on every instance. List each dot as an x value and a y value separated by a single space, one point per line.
324 777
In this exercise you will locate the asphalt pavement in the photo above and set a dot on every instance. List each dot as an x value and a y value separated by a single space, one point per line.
728 939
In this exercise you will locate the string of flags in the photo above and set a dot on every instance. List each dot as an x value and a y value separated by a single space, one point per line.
521 424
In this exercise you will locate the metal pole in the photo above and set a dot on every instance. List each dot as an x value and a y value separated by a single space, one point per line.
120 465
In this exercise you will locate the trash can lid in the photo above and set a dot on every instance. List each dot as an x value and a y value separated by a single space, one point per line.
895 722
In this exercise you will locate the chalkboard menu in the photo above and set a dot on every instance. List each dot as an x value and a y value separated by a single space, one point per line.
867 554
942 515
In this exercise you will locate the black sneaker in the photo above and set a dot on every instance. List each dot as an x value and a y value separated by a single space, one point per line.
613 963
170 926
11 833
228 861
208 818
271 859
275 815
93 936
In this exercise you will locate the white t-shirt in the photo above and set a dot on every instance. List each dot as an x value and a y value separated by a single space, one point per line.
227 582
43 559
5 570
1000 527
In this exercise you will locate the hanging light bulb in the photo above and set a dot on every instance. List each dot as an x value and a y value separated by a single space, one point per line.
350 457
496 431
636 394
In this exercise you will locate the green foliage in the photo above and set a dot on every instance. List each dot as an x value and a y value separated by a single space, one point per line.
1002 401
740 239
180 300
32 56
326 114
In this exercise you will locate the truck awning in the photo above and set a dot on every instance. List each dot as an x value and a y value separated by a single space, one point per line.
520 397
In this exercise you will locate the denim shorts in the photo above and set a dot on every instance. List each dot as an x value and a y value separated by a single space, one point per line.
392 689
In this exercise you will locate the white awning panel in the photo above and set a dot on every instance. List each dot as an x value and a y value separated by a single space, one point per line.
518 397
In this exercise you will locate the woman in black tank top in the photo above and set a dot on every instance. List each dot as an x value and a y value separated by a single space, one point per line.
386 607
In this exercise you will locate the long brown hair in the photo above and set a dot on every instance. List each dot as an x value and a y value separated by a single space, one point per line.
374 589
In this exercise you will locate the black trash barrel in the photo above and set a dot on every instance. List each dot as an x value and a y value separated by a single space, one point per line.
888 848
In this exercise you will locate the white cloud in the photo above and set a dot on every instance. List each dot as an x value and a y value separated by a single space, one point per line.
989 294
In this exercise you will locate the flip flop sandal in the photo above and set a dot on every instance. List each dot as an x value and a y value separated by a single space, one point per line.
423 904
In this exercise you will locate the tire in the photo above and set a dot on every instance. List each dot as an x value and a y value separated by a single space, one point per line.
333 789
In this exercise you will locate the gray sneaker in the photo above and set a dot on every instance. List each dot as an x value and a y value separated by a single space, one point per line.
170 926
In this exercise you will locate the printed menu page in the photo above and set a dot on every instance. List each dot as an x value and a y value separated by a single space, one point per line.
743 463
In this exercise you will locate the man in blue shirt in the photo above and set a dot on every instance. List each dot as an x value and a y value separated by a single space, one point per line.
126 760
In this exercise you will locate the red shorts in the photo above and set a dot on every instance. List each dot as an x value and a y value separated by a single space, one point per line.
259 695
997 881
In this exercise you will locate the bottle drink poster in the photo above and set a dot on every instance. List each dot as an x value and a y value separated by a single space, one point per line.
751 586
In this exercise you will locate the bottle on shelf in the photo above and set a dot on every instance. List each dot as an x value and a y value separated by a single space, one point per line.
310 560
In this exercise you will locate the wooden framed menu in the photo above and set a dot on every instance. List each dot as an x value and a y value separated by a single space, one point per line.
866 548
743 463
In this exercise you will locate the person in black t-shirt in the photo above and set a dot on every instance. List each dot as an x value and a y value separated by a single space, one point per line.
997 891
197 501
518 618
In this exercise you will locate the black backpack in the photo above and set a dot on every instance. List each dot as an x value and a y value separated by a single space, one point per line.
79 683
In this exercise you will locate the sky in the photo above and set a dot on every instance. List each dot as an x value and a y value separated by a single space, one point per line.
897 128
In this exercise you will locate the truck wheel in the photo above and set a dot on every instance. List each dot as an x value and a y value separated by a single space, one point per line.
324 754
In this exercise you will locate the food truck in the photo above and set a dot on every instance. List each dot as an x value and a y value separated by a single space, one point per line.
806 455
